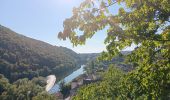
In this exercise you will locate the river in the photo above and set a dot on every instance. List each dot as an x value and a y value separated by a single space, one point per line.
68 79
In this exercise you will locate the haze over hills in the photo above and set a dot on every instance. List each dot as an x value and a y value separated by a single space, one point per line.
24 57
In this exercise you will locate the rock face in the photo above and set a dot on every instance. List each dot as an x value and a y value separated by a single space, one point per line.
50 82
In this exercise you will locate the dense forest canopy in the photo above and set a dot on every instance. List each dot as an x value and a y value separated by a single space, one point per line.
23 89
145 23
23 57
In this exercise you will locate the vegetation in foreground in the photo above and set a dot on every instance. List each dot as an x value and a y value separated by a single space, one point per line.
24 89
108 88
145 23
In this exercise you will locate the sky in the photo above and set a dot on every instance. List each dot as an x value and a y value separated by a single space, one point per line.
43 20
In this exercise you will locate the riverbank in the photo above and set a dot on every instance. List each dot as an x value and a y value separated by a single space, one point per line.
67 79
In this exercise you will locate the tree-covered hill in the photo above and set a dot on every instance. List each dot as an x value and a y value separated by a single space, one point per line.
86 57
23 57
95 65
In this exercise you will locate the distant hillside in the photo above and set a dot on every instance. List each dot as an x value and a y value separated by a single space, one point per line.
72 54
119 61
85 57
22 57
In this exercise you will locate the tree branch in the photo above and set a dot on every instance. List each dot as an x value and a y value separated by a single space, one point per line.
107 5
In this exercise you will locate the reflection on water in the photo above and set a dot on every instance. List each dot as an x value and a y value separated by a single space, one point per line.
68 79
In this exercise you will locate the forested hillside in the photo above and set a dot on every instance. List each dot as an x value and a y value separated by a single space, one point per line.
94 65
23 57
85 57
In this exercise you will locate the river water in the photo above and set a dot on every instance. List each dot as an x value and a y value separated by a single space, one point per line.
68 79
